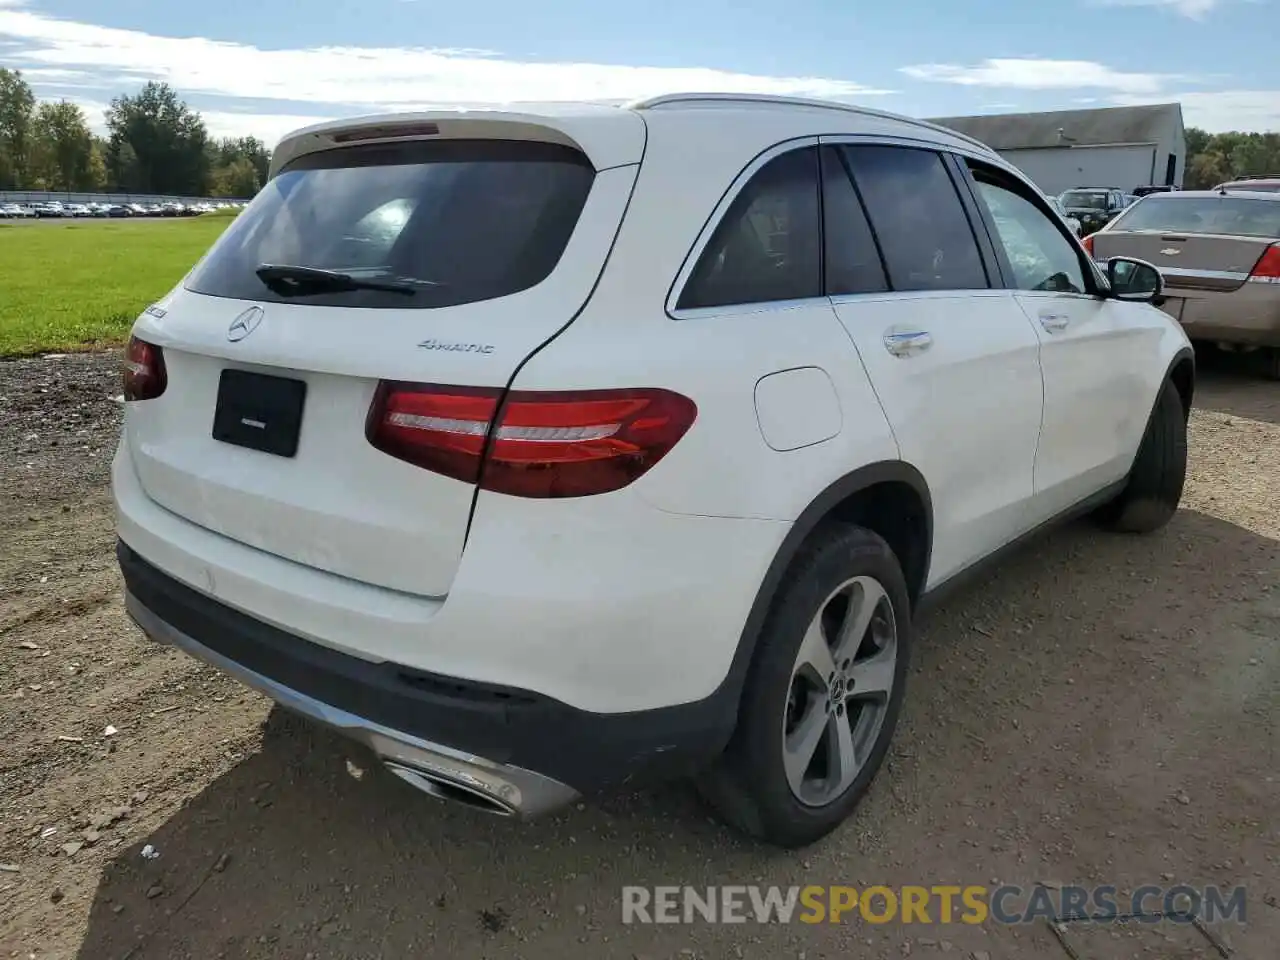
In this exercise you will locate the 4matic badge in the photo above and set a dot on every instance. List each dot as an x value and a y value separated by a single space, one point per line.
456 347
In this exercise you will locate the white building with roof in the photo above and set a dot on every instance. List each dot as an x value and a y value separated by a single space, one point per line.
1121 147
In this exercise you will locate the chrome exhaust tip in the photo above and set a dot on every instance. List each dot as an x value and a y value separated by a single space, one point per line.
450 791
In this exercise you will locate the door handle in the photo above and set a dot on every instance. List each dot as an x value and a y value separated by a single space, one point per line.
1053 322
908 344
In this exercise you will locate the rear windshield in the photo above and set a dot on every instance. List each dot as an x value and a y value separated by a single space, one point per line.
1230 216
1085 199
444 222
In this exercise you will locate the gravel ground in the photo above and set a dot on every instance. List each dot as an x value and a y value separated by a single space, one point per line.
1104 709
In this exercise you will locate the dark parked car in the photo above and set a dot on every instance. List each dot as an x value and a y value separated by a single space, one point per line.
1094 207
1151 188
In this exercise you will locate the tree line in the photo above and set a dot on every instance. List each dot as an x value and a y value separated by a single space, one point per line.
1214 158
155 144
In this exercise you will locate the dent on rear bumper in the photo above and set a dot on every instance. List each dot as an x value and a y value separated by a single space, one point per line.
601 603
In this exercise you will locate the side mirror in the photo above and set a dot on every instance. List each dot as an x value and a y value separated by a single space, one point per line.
1134 280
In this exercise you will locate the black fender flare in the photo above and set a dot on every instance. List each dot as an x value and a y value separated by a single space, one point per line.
1186 353
1182 355
730 690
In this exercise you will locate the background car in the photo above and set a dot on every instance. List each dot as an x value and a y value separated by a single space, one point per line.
1252 184
1072 222
50 209
1219 253
1094 207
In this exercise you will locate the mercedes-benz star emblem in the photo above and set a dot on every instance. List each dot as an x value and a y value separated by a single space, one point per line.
244 324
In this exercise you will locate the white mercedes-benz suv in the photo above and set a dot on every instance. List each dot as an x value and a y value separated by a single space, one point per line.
555 449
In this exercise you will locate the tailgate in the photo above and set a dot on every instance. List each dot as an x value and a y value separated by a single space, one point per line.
260 433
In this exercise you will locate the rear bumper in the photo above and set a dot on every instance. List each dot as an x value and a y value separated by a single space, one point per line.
603 603
1249 314
524 752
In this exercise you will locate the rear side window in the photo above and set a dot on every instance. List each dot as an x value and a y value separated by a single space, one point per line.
1232 216
444 222
767 247
924 232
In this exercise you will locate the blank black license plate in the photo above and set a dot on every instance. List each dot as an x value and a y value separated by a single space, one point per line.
260 412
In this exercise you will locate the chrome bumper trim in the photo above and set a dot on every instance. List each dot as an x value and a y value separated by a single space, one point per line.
523 792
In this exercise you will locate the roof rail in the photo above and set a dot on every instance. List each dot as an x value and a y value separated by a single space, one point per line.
765 99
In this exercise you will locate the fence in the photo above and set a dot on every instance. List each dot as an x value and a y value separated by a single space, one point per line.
49 196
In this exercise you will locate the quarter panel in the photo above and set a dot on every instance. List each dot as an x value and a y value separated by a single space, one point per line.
723 466
797 408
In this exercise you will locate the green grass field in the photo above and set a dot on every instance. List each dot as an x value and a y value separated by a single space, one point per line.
69 286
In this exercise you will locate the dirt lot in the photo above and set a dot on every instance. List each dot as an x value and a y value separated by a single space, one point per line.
1106 709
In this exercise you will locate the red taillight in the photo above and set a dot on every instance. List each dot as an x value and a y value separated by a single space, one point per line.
143 369
1087 243
1267 269
568 444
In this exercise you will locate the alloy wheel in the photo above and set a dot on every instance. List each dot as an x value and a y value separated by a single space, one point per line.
839 693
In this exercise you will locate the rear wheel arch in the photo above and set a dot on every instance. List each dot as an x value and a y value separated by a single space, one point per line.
889 497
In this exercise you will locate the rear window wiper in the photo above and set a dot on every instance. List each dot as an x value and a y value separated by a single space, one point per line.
299 281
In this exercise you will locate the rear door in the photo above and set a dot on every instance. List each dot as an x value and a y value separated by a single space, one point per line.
1095 352
464 256
954 362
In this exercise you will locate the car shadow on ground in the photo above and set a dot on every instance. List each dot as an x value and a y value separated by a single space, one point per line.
1052 713
1227 383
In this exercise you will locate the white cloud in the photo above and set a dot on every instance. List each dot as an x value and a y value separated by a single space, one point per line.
1223 110
1036 73
267 127
344 80
1192 9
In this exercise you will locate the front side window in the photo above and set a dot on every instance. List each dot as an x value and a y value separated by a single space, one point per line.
925 235
767 248
422 224
1042 258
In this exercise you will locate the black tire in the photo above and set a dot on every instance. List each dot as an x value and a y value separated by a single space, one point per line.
1271 363
748 785
1151 497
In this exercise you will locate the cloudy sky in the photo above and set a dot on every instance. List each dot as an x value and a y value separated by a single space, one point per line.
259 67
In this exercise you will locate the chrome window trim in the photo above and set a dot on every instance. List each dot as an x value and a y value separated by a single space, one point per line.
709 228
744 177
740 309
